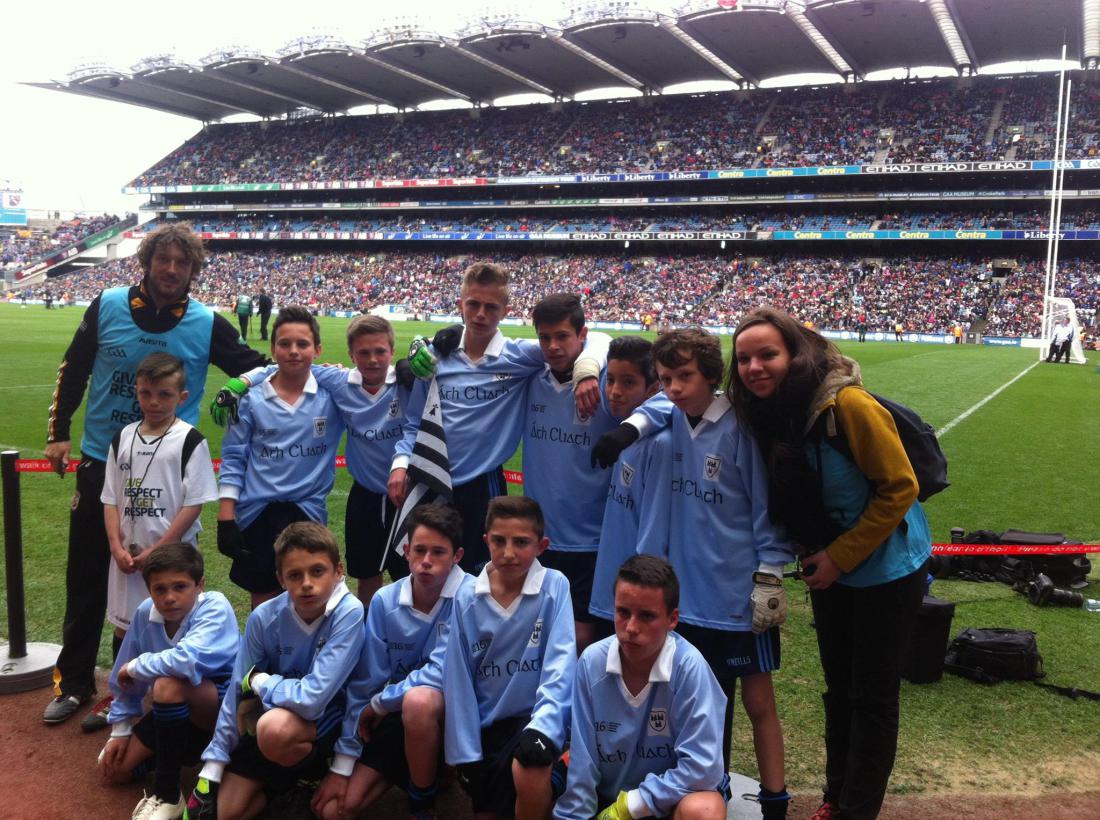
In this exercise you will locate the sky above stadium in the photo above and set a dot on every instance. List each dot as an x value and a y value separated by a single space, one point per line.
73 153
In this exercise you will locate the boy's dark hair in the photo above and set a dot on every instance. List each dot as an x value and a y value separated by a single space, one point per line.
516 506
439 517
174 556
157 366
485 273
366 325
178 234
678 347
558 307
651 571
298 315
637 351
309 536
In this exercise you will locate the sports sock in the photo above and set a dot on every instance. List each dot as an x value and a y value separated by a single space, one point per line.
421 797
773 805
171 721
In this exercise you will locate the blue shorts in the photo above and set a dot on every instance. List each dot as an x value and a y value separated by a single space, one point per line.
734 654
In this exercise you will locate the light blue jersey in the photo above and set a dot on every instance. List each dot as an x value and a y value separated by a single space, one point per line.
513 662
658 746
557 463
306 666
404 647
277 452
204 646
719 529
373 421
639 481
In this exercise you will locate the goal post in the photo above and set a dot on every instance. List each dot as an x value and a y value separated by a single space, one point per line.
1059 307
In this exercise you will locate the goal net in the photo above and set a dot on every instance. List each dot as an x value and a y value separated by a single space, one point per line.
1059 308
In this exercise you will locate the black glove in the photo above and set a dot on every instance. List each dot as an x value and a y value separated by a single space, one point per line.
535 749
445 342
402 370
610 445
230 540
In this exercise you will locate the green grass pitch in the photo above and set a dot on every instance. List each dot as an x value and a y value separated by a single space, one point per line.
1028 458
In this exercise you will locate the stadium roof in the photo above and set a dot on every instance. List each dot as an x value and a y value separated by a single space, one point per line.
603 44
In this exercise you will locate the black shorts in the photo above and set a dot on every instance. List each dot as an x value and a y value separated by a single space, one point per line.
248 761
489 781
256 573
734 654
366 535
198 739
472 502
385 753
580 569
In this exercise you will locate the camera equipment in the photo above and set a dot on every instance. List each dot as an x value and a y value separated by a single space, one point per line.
1042 592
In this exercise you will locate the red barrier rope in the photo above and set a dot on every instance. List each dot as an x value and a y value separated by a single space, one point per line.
41 465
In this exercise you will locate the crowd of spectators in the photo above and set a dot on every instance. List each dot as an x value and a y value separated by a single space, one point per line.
926 294
25 246
935 120
657 219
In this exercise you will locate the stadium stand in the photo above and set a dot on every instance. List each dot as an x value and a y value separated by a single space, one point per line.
24 247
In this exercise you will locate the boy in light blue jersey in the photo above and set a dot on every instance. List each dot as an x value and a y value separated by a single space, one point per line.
180 647
647 728
393 727
279 460
372 405
482 388
281 716
723 546
639 479
557 446
508 675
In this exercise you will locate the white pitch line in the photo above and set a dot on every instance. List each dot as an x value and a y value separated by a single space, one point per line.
25 386
967 413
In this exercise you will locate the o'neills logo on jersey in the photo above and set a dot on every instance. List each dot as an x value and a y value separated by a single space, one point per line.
712 466
628 474
320 424
658 722
395 406
536 633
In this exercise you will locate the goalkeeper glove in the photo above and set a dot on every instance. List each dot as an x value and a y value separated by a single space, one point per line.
617 810
422 360
535 749
610 445
769 602
223 408
203 802
446 341
230 541
249 707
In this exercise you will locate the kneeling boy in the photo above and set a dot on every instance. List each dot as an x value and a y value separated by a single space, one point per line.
511 654
647 713
181 645
281 717
394 720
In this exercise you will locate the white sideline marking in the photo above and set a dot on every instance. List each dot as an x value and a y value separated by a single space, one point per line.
22 450
25 386
967 413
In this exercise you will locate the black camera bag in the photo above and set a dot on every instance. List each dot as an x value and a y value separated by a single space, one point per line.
993 655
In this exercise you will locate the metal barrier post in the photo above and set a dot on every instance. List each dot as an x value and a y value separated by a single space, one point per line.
28 666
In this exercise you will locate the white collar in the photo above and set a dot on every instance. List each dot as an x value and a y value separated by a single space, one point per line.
156 618
532 584
494 348
718 408
338 593
269 389
356 378
660 672
450 587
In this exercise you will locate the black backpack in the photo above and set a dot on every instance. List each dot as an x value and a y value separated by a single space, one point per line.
918 437
993 655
